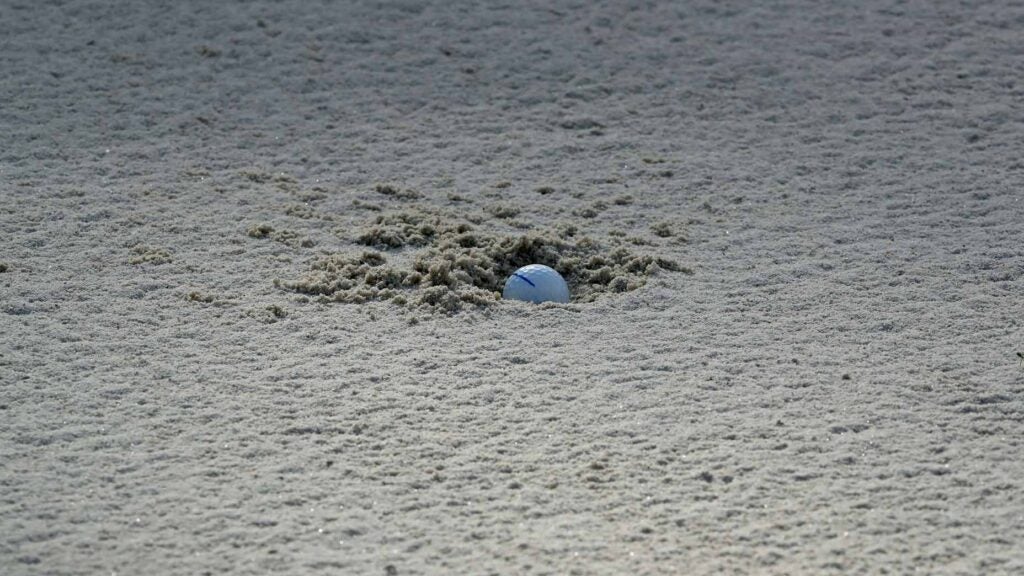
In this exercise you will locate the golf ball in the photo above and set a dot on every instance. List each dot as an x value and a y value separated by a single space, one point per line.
536 283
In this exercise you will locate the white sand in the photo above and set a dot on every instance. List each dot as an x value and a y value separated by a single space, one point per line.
835 389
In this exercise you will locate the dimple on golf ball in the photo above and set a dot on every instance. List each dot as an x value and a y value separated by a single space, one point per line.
536 283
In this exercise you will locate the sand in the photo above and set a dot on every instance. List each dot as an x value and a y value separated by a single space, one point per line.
828 381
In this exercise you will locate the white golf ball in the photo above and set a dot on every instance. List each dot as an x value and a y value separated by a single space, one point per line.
536 283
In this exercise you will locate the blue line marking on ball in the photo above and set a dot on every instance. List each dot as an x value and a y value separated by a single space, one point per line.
524 279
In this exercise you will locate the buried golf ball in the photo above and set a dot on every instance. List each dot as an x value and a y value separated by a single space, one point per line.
536 283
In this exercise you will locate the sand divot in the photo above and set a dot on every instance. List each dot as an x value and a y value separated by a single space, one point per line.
428 258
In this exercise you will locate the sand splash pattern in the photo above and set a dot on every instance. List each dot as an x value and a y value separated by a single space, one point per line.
423 258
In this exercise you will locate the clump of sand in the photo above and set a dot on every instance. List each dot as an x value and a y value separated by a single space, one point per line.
455 264
287 237
143 254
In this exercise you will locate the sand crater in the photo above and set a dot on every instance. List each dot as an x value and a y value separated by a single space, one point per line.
425 258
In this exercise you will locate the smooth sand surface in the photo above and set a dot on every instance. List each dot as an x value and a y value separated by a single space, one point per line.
833 388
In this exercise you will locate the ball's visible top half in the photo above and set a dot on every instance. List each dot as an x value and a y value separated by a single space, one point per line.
536 283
